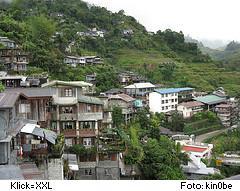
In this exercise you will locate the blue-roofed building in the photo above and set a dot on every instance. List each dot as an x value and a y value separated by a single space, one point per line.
166 99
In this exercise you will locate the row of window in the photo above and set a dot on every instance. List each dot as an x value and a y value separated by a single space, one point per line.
166 95
72 125
169 107
169 101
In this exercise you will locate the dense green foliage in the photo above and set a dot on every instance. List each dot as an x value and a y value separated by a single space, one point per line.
201 123
160 162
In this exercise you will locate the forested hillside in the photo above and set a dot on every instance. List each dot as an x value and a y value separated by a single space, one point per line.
48 29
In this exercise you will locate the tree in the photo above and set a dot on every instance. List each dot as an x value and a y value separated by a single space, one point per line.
117 117
167 71
134 150
161 160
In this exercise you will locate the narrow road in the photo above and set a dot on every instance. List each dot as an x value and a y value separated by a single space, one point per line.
205 136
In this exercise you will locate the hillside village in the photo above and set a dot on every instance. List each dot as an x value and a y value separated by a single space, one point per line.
98 127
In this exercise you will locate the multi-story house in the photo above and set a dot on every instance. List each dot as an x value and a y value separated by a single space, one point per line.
188 109
227 113
14 59
126 78
139 89
125 102
74 114
75 61
15 115
7 42
164 100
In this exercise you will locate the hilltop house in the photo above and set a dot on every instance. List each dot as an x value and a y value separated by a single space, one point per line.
126 78
14 59
74 61
7 43
92 33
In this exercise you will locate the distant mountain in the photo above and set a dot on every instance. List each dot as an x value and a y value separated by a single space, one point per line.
214 44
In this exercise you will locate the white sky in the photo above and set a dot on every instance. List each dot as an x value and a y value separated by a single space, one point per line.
201 19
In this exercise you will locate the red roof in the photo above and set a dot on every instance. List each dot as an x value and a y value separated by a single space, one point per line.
194 149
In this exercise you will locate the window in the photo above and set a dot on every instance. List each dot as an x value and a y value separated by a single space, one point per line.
67 110
162 108
68 92
88 172
166 95
24 108
87 125
173 106
54 125
166 107
176 100
106 172
162 101
68 125
88 108
166 101
87 141
162 95
172 100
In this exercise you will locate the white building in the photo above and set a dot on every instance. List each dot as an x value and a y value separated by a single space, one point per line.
163 100
188 109
139 89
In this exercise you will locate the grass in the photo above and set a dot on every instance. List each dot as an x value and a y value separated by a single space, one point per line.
202 76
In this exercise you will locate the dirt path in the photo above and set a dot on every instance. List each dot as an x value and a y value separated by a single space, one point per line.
205 136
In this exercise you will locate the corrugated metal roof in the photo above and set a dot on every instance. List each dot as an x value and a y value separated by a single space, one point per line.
191 104
91 100
67 83
33 92
123 97
36 130
210 99
172 90
140 85
8 99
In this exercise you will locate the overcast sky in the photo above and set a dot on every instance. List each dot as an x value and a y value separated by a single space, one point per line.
201 19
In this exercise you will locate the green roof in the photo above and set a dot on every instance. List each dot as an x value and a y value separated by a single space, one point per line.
91 100
210 99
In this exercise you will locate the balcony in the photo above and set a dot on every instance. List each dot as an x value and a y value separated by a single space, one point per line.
68 117
69 132
87 133
93 116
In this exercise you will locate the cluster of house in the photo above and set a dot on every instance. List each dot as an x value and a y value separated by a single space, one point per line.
63 108
92 33
12 58
75 61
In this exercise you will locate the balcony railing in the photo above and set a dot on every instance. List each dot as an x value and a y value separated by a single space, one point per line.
69 132
93 116
87 132
68 116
